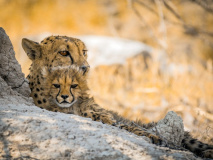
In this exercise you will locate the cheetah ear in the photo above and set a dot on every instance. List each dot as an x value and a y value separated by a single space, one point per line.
33 49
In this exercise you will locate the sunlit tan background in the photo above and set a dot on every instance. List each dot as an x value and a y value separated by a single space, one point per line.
176 75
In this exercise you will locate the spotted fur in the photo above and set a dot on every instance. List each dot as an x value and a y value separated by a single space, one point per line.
85 106
53 51
197 147
66 91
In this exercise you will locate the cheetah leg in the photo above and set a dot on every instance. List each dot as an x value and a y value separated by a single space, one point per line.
155 139
97 116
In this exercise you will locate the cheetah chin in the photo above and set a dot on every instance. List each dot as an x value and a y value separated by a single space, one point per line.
65 105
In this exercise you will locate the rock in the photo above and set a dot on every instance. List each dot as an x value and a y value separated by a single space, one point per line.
10 69
40 134
170 129
5 89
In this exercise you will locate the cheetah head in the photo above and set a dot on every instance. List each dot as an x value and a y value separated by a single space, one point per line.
57 51
65 85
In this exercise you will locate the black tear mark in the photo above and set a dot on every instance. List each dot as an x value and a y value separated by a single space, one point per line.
71 59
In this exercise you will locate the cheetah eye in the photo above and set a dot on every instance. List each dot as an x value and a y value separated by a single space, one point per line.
64 53
74 85
56 85
84 52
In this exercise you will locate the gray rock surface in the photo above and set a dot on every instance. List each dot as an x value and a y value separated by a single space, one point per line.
170 129
5 89
10 69
29 132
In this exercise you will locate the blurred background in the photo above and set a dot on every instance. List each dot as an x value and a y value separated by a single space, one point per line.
147 57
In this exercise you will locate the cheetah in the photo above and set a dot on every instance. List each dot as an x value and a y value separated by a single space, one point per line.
66 90
52 51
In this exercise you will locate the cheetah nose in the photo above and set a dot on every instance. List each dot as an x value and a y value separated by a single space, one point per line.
64 96
85 68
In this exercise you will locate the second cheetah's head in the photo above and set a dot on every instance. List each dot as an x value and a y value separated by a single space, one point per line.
65 85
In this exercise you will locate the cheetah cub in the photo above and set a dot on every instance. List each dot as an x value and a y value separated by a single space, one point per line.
66 91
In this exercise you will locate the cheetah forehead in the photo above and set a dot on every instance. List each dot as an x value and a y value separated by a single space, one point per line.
58 38
52 44
68 67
